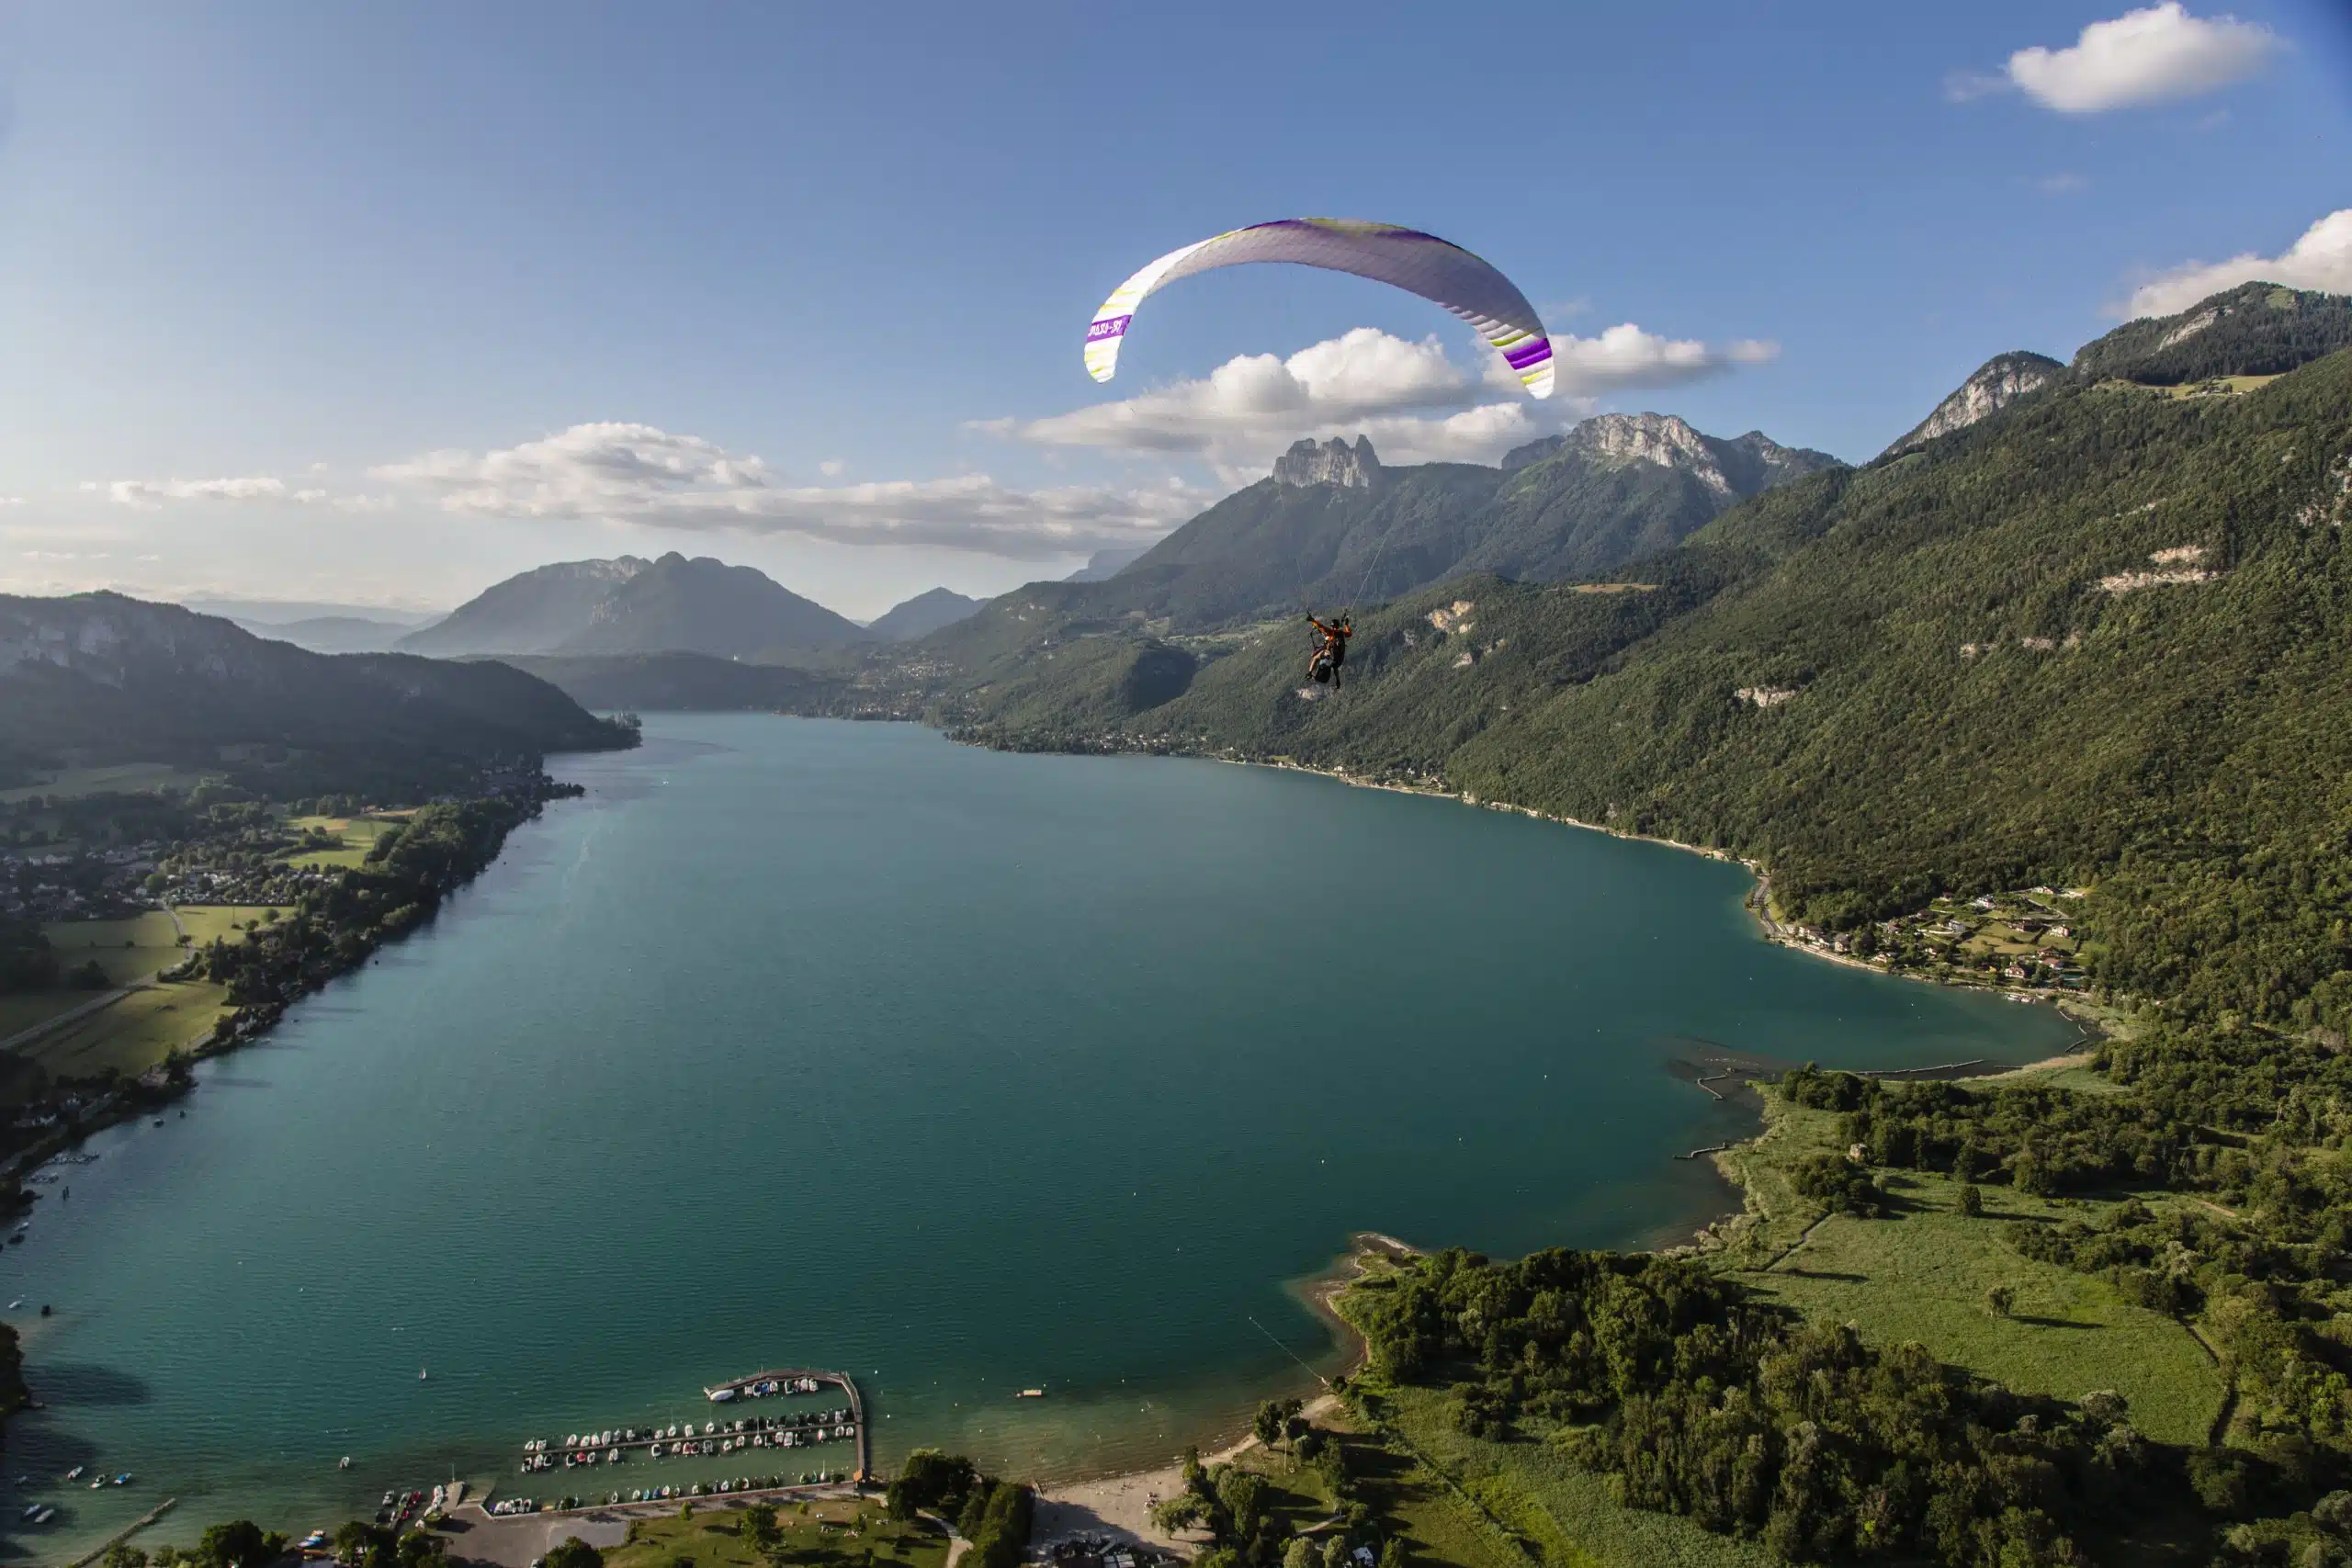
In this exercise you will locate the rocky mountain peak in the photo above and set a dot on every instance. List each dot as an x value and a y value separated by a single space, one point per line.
1332 463
1733 470
2000 381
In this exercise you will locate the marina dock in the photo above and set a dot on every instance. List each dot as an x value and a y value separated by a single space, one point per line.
734 1389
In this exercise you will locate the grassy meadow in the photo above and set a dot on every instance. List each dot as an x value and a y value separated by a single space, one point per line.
816 1535
358 835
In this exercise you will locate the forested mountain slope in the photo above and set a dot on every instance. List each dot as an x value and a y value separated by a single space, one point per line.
98 678
2102 635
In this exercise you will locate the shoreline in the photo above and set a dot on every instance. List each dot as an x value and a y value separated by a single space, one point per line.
1128 1493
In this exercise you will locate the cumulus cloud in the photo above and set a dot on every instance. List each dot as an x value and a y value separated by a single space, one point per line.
2322 259
1415 402
639 474
2157 55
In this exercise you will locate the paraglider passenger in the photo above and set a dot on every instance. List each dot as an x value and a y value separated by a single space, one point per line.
1332 651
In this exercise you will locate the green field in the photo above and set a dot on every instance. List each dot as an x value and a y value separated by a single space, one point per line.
133 1034
358 835
139 1031
1922 1273
119 778
816 1535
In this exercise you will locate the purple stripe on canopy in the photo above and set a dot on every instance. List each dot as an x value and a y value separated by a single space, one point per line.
1529 354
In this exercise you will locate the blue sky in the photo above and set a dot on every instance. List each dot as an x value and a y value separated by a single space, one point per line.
803 287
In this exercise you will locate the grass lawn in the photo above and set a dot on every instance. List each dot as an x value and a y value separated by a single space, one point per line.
1922 1275
825 1535
358 835
119 778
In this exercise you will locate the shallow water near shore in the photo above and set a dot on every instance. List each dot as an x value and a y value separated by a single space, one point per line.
816 1043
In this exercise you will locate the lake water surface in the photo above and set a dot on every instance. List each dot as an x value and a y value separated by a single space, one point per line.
834 1044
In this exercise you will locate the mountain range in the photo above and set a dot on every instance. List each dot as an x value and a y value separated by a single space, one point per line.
1332 526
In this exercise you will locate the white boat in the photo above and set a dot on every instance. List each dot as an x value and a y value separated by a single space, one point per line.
422 1374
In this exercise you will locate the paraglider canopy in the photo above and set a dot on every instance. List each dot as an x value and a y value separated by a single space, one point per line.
1435 269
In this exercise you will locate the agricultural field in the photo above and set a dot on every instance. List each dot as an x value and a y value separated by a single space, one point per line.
830 1534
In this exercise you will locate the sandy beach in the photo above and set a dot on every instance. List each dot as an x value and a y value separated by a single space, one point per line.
1120 1505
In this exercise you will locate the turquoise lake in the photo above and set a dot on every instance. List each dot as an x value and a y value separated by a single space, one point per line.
840 1045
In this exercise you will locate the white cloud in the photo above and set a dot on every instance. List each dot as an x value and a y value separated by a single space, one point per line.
12 500
2061 185
638 474
2322 259
148 494
2158 55
1414 402
832 467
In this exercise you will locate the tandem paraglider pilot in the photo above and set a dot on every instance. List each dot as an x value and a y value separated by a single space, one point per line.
1330 653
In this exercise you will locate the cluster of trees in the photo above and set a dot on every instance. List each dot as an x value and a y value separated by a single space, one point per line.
994 1515
27 961
1695 1399
238 1543
1236 1506
2036 1138
409 870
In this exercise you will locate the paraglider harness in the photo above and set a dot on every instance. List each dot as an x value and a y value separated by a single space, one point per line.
1331 652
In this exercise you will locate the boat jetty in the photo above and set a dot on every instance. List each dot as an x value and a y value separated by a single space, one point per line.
723 1437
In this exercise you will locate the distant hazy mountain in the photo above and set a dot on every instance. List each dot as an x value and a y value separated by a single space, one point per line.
922 615
99 678
331 634
631 605
285 612
689 682
704 605
1106 564
528 614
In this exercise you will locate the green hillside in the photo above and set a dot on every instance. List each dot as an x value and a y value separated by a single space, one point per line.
2097 639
